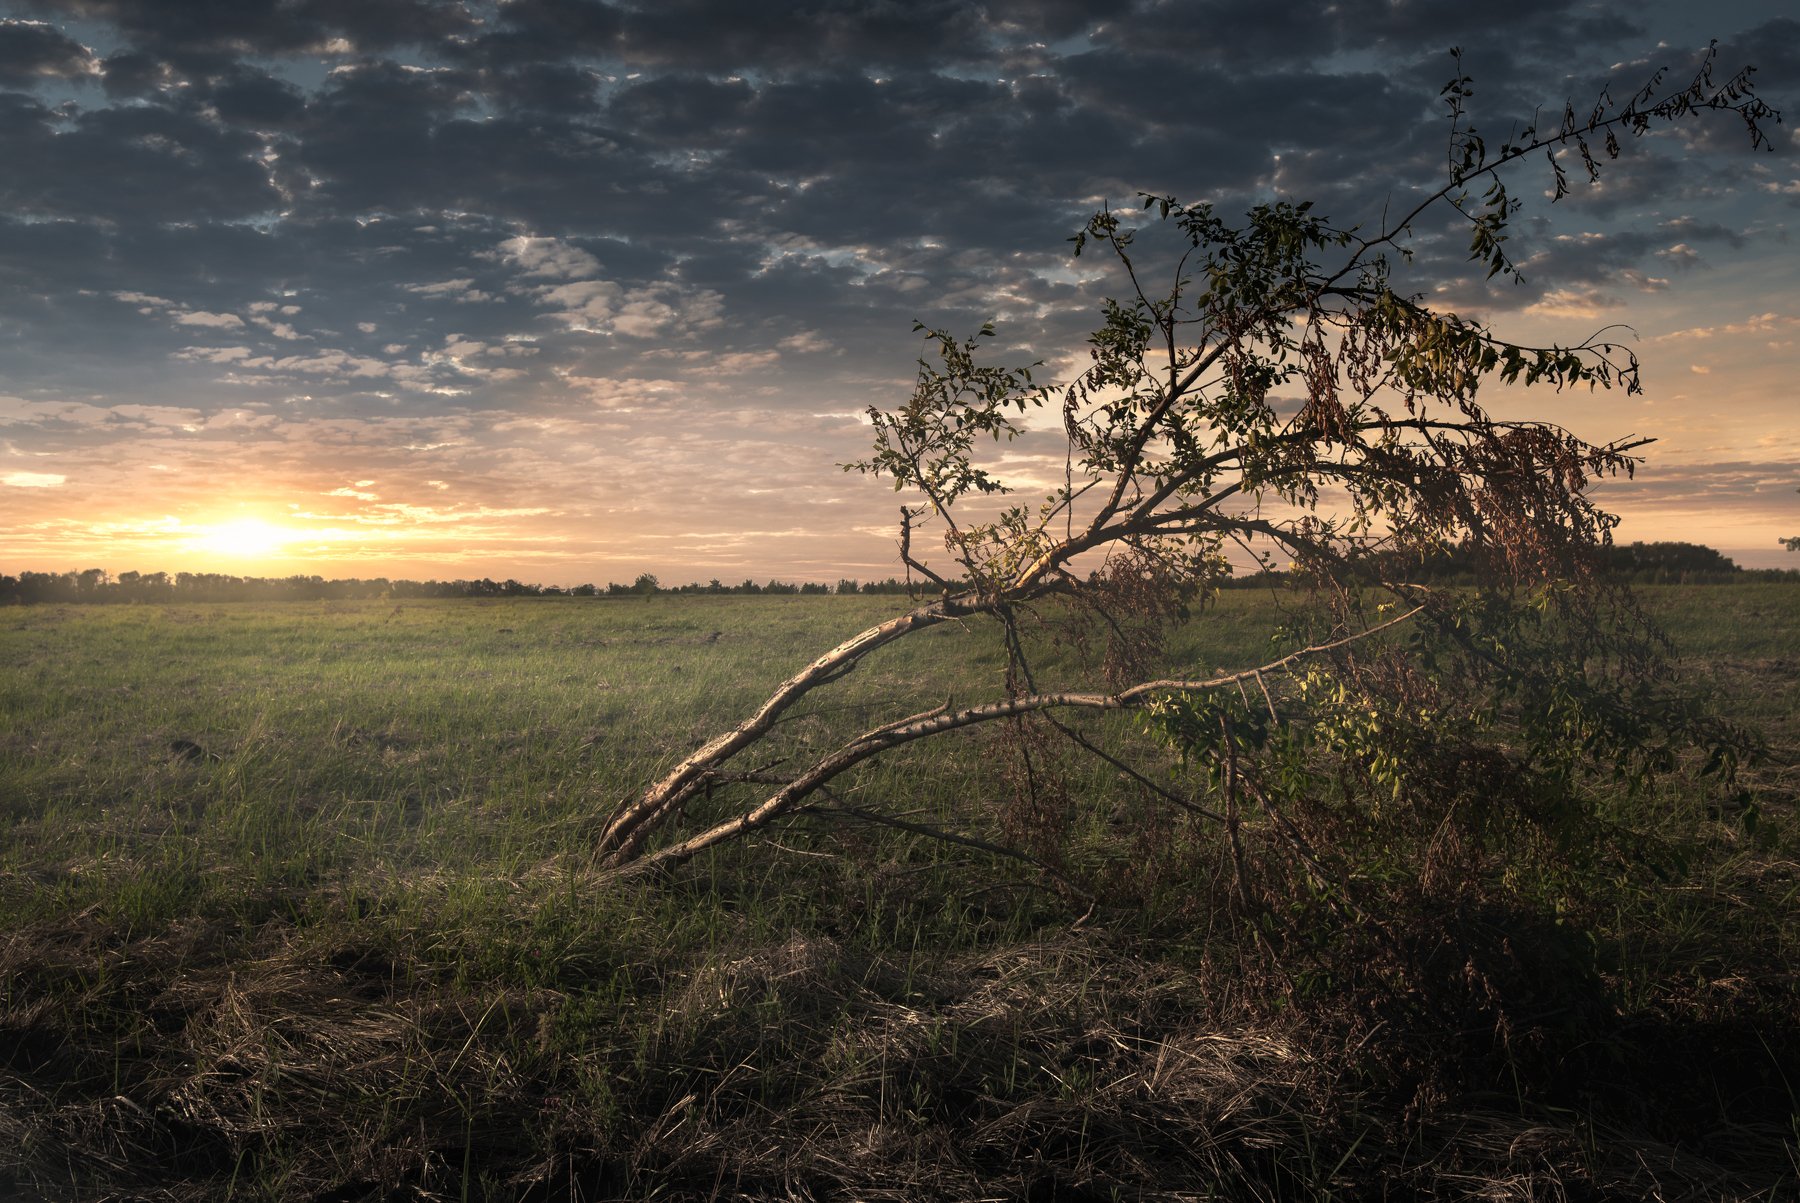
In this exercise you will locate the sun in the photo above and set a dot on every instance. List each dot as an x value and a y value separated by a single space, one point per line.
246 538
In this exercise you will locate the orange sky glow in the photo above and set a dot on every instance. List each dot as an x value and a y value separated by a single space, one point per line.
288 500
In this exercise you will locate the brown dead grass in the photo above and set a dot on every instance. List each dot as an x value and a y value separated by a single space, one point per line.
1074 1067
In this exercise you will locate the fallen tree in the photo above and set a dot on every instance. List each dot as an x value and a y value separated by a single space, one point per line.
1280 395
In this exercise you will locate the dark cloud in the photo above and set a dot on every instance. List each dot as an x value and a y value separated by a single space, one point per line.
1773 47
128 164
131 74
256 100
1053 20
389 24
541 31
32 50
685 109
1243 35
269 27
557 88
722 35
229 26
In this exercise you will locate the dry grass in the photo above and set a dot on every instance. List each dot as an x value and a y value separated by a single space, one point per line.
1072 1066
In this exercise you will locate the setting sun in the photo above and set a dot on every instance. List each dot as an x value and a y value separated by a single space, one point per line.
248 538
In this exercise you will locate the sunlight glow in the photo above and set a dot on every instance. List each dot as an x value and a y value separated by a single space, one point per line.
247 538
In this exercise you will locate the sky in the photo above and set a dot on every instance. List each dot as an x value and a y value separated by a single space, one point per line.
572 290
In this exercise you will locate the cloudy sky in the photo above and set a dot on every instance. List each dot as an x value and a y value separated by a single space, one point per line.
571 290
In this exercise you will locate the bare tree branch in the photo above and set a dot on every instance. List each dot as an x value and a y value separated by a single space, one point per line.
784 800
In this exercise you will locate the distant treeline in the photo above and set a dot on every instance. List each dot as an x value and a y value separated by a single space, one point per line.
97 585
1633 563
1636 563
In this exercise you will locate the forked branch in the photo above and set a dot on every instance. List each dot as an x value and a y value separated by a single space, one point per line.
784 801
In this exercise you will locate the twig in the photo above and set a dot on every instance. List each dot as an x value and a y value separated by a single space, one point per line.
949 837
1167 795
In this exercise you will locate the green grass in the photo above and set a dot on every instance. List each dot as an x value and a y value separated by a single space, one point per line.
298 904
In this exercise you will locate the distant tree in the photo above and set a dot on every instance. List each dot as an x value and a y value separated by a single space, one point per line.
1279 394
1666 561
305 588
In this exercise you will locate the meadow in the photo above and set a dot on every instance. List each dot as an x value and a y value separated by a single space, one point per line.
297 901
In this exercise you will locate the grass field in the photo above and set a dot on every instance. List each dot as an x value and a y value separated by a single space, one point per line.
298 904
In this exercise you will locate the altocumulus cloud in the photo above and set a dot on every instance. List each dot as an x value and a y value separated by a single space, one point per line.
603 277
